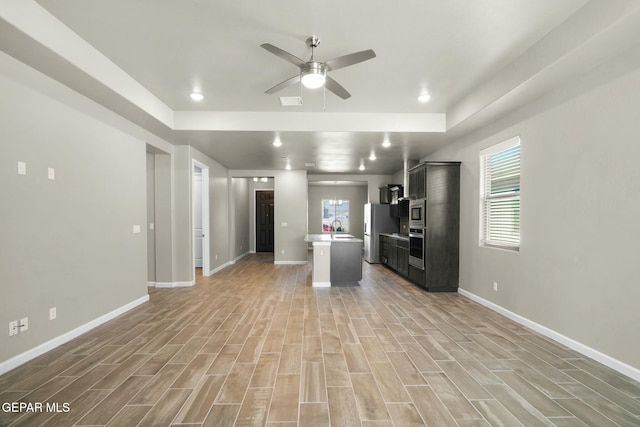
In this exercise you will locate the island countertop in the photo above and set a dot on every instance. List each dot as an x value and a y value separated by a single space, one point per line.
327 237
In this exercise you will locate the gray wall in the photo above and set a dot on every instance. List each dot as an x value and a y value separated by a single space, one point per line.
218 209
374 182
357 196
151 218
576 272
240 216
66 243
290 194
163 213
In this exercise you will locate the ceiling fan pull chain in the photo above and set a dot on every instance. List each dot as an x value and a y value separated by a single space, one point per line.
324 98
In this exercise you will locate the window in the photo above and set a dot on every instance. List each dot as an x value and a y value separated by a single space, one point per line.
500 195
335 216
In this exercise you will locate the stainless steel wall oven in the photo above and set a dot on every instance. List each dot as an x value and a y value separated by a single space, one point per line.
416 247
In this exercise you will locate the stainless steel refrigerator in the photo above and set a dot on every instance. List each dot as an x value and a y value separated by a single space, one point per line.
377 219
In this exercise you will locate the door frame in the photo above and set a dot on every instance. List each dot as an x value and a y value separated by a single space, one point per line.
255 212
206 265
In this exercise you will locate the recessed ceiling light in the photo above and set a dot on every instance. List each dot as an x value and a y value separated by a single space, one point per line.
424 97
386 143
196 96
372 156
277 142
255 179
361 167
288 167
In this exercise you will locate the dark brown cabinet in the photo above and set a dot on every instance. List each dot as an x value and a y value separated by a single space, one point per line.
438 183
394 253
417 181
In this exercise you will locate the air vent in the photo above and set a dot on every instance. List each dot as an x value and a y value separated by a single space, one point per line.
310 165
291 101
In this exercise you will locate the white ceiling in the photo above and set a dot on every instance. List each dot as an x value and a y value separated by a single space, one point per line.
457 50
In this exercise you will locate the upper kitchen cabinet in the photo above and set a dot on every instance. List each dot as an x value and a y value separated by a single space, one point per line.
417 181
390 193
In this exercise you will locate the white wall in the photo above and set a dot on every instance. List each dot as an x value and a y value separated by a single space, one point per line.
576 272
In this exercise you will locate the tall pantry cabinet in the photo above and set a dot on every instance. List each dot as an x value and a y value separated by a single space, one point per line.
438 184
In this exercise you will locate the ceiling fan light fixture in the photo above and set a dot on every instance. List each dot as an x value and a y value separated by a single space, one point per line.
312 80
315 76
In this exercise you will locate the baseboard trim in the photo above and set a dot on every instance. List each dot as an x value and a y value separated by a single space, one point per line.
151 284
241 256
175 284
222 267
290 262
594 354
321 284
31 354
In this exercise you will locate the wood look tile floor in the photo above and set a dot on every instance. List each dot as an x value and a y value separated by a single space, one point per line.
256 345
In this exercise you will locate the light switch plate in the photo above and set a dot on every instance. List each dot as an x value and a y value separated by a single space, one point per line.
136 229
284 224
151 226
22 168
24 324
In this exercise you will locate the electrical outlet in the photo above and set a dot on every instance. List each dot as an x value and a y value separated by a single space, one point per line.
13 328
495 286
52 313
24 324
282 252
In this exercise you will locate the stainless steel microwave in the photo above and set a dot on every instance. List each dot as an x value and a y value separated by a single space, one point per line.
417 213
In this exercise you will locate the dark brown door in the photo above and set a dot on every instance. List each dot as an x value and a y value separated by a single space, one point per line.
264 221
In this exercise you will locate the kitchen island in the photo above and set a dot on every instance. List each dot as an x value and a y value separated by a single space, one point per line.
337 259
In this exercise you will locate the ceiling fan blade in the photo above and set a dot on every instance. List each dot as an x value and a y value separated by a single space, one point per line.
282 85
336 88
351 59
284 55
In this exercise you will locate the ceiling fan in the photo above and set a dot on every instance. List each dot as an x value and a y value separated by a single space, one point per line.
313 74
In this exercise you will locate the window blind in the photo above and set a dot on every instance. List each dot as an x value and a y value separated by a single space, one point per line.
500 195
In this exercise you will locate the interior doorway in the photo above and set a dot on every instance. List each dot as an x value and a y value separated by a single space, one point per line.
200 217
264 220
